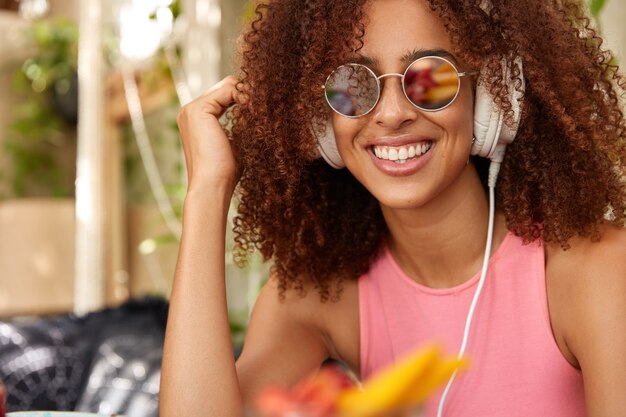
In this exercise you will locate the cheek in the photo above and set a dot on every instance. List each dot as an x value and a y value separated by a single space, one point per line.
346 130
458 119
464 106
467 100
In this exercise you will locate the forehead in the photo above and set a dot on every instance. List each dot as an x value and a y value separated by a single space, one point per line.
396 27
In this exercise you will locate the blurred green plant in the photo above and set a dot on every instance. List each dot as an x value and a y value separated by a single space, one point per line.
43 129
596 7
250 10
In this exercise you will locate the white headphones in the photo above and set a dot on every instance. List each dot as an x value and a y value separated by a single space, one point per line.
490 132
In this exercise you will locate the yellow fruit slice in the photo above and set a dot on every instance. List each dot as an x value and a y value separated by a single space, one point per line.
431 380
405 383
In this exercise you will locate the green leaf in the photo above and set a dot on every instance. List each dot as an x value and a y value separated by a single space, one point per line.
596 7
37 136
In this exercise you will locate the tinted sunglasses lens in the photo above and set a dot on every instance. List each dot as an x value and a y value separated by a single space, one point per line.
431 83
352 90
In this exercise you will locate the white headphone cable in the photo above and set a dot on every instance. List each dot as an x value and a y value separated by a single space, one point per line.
479 289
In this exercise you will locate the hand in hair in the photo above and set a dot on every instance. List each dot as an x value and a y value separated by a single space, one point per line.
208 152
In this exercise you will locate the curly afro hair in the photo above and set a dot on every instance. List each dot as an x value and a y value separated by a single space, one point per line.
563 172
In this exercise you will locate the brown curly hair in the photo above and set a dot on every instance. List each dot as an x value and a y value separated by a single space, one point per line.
565 168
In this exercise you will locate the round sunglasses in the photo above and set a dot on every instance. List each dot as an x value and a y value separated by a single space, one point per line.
430 83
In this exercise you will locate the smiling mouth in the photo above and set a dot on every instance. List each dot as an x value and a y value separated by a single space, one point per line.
402 154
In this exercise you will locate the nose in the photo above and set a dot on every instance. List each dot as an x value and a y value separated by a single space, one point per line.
393 109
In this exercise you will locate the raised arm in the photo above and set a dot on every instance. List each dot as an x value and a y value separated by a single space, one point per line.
198 373
199 376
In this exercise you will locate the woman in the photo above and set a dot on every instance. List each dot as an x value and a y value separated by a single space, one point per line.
375 259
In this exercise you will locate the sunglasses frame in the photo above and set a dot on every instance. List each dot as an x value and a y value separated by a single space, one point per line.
402 76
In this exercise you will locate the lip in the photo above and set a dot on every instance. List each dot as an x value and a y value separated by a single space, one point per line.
407 168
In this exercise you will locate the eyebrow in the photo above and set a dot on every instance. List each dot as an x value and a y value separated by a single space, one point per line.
419 53
406 59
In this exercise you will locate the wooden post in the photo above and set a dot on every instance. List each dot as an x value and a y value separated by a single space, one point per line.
90 266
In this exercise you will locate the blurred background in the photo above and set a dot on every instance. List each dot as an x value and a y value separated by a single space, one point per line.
91 185
90 194
92 181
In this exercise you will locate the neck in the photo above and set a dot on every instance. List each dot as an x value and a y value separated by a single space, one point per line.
442 244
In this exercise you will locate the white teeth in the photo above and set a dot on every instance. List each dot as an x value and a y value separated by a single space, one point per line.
401 154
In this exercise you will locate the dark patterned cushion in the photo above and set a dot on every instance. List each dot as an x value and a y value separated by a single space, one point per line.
108 361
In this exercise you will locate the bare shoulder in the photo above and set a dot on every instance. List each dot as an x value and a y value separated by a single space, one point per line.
586 295
306 307
335 319
289 336
589 263
612 243
588 267
298 304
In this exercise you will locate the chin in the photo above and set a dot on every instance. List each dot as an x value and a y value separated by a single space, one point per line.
400 200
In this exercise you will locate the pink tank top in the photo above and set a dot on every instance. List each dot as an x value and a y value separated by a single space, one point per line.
516 370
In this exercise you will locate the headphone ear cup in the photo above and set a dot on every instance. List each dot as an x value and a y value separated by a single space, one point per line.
487 122
327 147
489 127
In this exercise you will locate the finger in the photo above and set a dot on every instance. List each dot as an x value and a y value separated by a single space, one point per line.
231 80
211 105
220 97
219 101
